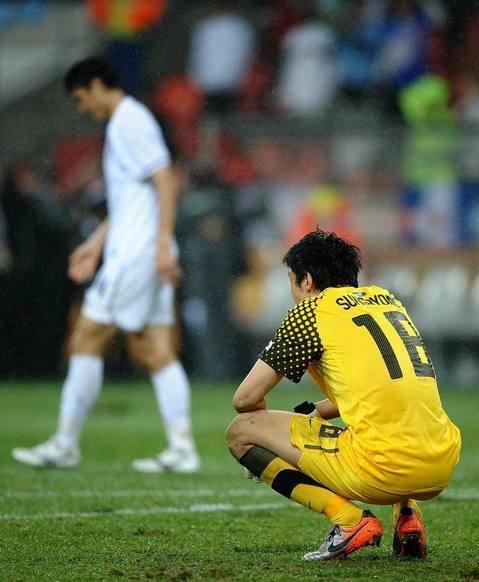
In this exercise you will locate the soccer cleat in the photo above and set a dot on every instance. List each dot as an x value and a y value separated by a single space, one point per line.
169 461
48 454
343 540
409 535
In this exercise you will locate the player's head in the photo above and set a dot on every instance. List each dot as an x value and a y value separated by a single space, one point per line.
91 82
82 73
326 258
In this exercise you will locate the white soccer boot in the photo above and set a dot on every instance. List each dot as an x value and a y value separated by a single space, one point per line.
169 461
48 454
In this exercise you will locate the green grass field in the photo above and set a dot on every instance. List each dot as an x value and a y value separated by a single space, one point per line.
103 522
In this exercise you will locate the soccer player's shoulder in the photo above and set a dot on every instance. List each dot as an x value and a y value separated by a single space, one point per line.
136 109
135 115
304 308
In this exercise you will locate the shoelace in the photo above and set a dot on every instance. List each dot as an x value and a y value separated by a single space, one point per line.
332 532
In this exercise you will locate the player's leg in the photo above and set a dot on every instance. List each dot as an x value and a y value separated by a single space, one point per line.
409 530
172 390
84 378
80 390
261 442
410 539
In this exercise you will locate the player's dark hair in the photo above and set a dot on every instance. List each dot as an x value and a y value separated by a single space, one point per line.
330 260
82 74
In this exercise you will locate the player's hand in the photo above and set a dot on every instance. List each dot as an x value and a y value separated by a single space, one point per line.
83 263
167 266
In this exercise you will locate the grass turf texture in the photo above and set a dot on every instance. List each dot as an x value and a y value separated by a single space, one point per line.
103 522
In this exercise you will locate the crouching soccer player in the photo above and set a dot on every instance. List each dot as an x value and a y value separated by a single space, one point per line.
362 350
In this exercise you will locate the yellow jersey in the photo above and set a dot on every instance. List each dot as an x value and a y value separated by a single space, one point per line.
363 351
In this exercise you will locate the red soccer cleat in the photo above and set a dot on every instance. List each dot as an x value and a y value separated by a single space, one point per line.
409 535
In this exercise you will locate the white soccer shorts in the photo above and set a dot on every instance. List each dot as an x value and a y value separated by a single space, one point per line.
131 297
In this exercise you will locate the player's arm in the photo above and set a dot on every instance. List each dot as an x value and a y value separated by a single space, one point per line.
167 191
251 393
85 258
286 355
325 409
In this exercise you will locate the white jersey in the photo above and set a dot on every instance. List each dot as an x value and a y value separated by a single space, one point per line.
134 150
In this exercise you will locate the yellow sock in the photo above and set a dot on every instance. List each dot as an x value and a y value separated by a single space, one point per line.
407 503
348 513
299 487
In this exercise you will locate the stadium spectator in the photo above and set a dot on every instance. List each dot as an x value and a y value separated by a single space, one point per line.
362 350
326 206
134 288
124 26
258 298
404 56
463 46
359 28
210 240
37 292
436 205
308 72
178 103
275 18
467 97
221 53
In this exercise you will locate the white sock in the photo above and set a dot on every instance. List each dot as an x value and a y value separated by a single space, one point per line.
172 391
80 390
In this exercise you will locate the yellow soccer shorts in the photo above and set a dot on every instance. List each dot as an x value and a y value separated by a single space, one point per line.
328 457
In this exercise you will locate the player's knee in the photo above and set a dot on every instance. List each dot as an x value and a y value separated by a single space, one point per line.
157 354
237 435
156 362
232 435
90 339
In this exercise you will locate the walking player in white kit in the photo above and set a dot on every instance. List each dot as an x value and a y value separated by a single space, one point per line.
133 289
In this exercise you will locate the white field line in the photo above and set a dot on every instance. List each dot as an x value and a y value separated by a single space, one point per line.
455 494
135 493
198 508
256 491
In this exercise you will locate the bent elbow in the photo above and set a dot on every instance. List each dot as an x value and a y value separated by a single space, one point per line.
240 404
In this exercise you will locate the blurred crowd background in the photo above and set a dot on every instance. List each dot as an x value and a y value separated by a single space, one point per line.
359 116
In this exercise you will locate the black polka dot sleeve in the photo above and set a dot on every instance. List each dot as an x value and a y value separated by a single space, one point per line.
296 343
